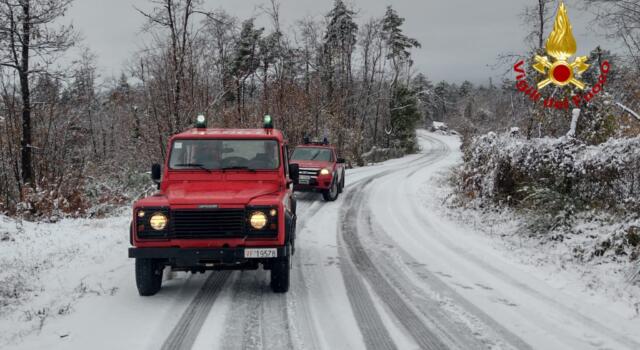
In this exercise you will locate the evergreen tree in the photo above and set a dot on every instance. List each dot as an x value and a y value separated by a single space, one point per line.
397 43
339 44
340 41
465 88
404 115
404 112
424 92
441 94
246 61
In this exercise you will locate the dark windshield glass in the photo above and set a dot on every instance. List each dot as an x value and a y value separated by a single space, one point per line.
311 153
224 154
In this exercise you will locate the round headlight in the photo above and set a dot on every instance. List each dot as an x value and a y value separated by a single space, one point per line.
324 171
258 220
158 221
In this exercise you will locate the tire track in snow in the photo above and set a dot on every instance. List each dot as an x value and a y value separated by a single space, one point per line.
437 282
405 219
404 261
524 288
388 280
304 334
186 330
307 210
371 326
431 307
250 294
258 318
298 296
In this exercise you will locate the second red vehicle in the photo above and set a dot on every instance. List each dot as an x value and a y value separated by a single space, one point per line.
320 169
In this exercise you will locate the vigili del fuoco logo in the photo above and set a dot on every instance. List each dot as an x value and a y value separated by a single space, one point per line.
560 70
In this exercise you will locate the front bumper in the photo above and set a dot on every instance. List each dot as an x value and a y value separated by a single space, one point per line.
204 257
315 184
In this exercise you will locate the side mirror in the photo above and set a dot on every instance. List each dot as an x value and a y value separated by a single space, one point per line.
156 172
294 172
341 161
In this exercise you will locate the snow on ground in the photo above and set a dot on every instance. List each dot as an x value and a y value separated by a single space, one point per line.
46 268
548 306
606 281
471 283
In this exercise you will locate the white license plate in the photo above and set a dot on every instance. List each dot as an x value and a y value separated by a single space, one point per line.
303 180
253 253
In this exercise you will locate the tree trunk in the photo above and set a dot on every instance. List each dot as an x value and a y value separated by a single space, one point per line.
541 5
23 72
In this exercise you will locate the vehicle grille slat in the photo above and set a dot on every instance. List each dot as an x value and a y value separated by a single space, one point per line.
210 223
309 171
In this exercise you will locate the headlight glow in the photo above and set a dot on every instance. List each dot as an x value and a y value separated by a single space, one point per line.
258 220
324 171
158 221
141 213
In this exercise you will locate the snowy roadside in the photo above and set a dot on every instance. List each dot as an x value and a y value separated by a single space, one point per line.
45 268
558 260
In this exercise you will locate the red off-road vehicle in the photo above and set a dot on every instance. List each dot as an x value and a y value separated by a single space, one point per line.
320 169
225 201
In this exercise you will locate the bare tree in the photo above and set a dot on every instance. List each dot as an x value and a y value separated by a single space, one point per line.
621 18
175 16
537 16
30 41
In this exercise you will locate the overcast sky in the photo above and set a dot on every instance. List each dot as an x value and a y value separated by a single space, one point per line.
460 38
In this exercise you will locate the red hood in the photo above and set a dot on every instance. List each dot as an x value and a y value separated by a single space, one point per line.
217 192
312 163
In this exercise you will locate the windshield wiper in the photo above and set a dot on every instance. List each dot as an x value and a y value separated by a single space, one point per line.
238 167
193 165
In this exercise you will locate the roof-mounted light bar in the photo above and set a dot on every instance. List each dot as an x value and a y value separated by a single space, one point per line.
307 141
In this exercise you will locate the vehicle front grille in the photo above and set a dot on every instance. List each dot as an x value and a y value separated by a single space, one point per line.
208 223
311 172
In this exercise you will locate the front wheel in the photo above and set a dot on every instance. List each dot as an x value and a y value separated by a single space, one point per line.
280 272
341 187
331 194
148 276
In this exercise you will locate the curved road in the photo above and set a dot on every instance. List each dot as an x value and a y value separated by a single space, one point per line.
377 269
374 271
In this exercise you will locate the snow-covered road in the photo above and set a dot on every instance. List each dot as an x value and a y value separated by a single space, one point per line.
379 269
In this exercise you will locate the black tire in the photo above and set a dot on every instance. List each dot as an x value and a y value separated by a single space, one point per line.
294 204
331 194
293 239
148 276
280 272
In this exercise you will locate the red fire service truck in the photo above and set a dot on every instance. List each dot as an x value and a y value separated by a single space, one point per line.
320 169
225 201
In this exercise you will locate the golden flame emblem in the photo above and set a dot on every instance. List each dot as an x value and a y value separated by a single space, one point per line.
561 45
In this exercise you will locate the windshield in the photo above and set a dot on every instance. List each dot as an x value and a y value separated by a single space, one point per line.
311 153
225 154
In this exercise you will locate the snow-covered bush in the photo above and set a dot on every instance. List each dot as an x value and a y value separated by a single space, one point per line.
520 171
88 196
561 186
